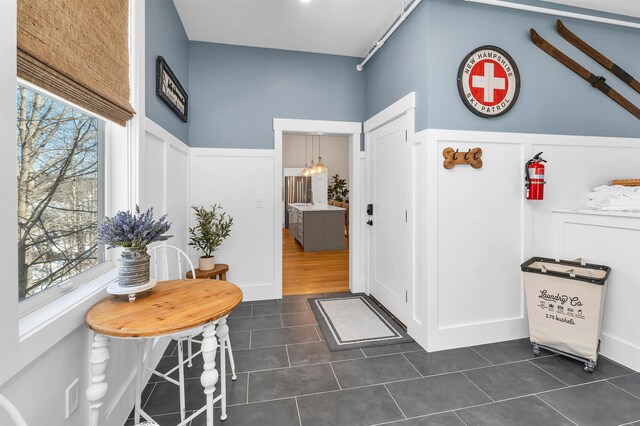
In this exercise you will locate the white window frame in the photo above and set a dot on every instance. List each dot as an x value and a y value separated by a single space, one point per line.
48 295
25 338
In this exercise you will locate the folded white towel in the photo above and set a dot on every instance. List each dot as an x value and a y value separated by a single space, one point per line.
614 191
614 198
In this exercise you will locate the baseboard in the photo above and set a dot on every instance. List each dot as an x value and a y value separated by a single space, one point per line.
620 351
477 334
118 413
258 292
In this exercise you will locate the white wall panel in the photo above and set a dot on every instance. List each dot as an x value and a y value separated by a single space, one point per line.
480 222
476 233
154 168
242 182
479 227
166 181
177 194
418 312
612 240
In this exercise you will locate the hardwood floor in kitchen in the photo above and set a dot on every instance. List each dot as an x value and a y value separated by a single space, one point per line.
312 272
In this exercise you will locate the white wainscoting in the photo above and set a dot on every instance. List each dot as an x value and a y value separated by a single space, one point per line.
164 183
612 240
164 177
417 288
478 227
242 181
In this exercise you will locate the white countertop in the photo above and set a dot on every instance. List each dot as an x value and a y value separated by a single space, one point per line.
315 208
599 212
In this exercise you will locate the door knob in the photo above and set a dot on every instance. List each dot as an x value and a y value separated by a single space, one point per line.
370 222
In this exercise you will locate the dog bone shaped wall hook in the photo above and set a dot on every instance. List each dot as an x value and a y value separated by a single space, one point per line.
452 158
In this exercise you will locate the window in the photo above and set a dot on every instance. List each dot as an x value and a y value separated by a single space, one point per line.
60 194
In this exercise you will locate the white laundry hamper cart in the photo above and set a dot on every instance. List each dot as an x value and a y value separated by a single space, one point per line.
565 300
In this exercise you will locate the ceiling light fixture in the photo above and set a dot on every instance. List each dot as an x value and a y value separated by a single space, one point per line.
305 1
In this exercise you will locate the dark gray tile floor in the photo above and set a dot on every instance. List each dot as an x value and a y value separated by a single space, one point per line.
287 376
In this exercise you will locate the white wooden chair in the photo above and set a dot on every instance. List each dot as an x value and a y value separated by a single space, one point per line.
169 262
14 415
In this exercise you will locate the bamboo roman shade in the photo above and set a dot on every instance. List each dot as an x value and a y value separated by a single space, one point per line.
78 50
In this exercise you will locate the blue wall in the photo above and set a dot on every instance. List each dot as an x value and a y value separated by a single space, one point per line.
165 36
237 91
400 67
552 99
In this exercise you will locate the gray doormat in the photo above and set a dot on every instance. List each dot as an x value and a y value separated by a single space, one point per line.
355 321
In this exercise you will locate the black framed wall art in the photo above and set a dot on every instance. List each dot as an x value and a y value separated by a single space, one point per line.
169 89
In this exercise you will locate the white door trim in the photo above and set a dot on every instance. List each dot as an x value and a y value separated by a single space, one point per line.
335 127
353 129
399 107
405 105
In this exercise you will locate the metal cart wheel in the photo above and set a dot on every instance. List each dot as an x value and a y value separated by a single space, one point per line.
589 366
536 350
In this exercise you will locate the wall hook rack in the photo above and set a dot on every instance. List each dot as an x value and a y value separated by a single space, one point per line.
452 158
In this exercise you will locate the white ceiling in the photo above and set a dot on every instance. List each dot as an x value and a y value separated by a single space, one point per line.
621 7
339 27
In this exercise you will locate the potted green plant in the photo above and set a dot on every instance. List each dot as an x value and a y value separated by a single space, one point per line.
213 226
338 190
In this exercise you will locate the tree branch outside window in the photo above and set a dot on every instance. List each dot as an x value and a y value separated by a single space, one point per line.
58 191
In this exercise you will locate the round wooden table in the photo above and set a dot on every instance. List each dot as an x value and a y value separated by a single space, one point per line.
172 308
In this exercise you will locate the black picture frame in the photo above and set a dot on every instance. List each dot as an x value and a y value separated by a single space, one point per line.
170 91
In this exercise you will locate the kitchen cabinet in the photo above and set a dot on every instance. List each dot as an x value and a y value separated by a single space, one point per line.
318 227
293 221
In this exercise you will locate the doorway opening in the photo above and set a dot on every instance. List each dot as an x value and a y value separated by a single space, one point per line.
315 233
317 245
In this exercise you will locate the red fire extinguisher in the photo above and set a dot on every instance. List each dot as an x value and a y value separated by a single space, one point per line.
534 179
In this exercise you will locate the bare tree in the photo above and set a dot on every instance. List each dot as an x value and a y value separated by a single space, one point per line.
57 191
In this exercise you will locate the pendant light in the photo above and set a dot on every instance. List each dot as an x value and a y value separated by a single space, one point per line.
305 172
320 168
312 167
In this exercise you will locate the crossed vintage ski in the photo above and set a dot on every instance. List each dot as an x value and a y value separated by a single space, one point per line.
597 82
597 56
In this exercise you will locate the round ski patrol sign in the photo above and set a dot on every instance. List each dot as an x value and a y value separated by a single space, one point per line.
488 81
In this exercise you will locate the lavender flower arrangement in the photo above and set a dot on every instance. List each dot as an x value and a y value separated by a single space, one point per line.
133 230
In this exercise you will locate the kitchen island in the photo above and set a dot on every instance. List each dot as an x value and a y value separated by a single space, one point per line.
318 227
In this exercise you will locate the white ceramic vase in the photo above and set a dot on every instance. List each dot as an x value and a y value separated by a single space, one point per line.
207 263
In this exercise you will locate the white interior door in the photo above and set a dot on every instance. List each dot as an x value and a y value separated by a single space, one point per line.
388 168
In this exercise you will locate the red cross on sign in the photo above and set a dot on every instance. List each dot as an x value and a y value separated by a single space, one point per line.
488 81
